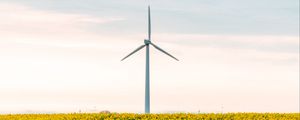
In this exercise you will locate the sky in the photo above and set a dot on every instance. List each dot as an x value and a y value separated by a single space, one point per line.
60 56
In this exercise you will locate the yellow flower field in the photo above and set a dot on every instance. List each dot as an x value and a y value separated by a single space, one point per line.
130 116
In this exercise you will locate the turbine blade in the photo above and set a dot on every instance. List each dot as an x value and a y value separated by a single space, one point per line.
163 51
149 23
133 52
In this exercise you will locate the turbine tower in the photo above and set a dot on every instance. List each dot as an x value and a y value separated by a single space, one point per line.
147 43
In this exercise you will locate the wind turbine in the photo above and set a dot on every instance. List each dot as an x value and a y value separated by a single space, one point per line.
147 43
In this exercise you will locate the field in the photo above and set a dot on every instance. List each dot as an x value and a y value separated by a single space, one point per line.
129 116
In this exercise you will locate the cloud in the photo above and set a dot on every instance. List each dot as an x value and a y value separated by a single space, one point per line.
20 24
265 43
23 20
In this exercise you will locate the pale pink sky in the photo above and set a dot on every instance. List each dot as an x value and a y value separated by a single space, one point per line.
50 61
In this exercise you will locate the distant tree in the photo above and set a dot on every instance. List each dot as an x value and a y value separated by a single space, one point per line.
105 111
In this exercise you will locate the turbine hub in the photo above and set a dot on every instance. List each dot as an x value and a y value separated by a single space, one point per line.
147 42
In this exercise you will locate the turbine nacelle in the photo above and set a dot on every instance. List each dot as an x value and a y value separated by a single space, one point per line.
147 42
